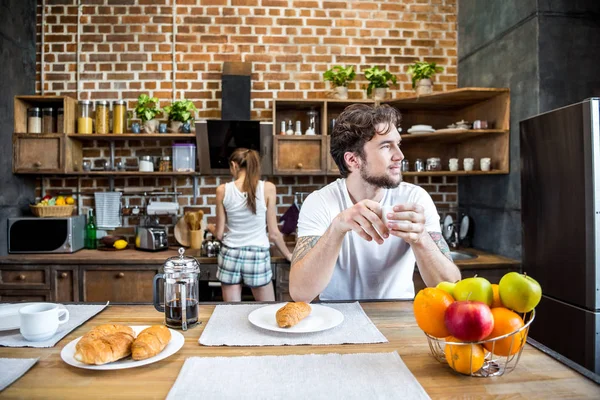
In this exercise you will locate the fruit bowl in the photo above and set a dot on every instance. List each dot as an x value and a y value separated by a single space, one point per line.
493 364
52 211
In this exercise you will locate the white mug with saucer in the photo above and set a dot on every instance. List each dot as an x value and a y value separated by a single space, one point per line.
40 321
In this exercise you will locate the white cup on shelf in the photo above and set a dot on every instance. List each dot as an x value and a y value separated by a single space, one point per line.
40 321
468 164
485 163
453 164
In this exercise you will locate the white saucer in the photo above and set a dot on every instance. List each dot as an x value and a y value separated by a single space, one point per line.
321 318
9 316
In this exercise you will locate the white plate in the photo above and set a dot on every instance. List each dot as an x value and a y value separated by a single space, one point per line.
173 347
9 316
321 318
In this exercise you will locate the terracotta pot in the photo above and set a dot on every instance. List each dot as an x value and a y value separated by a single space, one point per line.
424 86
340 92
379 93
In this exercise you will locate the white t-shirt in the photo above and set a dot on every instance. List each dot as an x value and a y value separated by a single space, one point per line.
243 227
366 270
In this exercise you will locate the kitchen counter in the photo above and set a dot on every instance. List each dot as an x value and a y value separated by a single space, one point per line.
536 375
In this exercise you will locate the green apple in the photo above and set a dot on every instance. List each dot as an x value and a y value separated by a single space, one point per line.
519 292
447 287
474 289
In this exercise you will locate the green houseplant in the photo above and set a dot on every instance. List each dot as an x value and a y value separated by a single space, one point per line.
421 73
339 77
146 110
378 80
180 112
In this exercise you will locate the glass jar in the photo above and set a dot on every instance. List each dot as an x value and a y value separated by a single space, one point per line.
165 164
84 117
60 120
102 117
34 120
434 164
119 116
405 166
48 120
419 167
146 164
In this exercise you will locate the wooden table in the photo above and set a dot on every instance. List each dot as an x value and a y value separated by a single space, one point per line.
536 376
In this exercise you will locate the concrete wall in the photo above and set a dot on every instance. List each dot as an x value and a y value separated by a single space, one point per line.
546 52
17 55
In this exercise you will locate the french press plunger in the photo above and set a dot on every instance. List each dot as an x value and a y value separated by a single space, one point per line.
181 291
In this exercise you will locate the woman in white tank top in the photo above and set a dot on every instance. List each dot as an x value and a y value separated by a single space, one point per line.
247 208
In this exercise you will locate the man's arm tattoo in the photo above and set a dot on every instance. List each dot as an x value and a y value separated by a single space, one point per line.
303 246
441 244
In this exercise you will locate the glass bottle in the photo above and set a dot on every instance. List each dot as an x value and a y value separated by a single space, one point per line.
34 120
84 117
102 117
119 115
48 120
282 128
90 231
290 130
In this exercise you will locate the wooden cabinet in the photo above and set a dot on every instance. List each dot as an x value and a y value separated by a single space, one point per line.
64 283
302 155
118 284
24 283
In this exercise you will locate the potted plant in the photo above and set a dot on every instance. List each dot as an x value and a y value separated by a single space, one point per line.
421 73
339 77
180 112
378 80
147 109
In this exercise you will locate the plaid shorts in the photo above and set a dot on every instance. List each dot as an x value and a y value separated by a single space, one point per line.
251 264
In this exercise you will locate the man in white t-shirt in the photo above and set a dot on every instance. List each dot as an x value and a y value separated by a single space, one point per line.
345 250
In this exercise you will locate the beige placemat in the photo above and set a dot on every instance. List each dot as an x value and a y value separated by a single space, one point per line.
12 369
78 314
303 377
229 326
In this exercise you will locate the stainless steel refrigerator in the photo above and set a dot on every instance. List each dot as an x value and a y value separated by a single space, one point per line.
560 199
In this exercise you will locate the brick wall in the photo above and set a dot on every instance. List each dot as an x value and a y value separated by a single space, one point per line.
111 49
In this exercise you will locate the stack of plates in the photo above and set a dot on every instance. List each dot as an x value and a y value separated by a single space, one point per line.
421 129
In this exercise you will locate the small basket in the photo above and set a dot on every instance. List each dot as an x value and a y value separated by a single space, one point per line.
494 365
52 211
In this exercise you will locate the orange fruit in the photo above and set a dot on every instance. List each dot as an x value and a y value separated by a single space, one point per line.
464 358
506 321
496 302
430 306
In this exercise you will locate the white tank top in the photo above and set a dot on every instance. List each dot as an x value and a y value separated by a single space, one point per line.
243 227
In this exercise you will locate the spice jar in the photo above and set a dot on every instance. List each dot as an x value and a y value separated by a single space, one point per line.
34 120
146 164
102 117
419 165
119 116
165 164
60 120
434 164
84 117
47 120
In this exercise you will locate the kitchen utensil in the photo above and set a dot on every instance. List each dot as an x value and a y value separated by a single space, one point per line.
180 291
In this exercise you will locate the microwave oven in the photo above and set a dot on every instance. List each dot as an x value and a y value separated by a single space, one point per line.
217 139
46 235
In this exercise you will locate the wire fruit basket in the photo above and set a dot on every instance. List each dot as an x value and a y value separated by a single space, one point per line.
493 364
52 211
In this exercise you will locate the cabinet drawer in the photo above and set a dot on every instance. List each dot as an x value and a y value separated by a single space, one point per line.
299 155
38 154
118 285
24 277
16 296
64 285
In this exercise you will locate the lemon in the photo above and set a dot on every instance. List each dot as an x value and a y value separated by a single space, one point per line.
60 201
120 244
70 200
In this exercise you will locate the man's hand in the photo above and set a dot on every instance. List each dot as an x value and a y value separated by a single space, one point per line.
364 219
407 222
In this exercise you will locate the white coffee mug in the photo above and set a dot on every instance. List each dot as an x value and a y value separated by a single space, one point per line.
468 164
453 164
485 163
40 321
385 210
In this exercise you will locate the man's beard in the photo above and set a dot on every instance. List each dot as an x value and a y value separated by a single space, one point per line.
382 181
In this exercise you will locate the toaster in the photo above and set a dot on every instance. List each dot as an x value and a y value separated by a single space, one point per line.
151 238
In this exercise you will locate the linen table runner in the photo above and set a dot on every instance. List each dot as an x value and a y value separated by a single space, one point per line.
78 314
313 376
229 326
12 369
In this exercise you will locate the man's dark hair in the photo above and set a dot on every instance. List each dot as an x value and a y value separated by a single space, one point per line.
355 126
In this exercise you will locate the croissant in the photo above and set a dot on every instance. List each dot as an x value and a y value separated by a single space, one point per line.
104 344
150 342
292 313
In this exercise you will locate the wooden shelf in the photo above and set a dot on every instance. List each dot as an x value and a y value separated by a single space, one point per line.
131 173
449 136
133 136
452 99
454 173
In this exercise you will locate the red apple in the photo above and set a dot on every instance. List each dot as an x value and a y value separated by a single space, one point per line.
469 321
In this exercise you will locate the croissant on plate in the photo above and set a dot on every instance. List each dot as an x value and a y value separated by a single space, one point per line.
104 344
292 313
150 342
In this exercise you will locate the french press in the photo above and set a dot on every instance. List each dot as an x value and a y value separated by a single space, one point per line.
181 291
